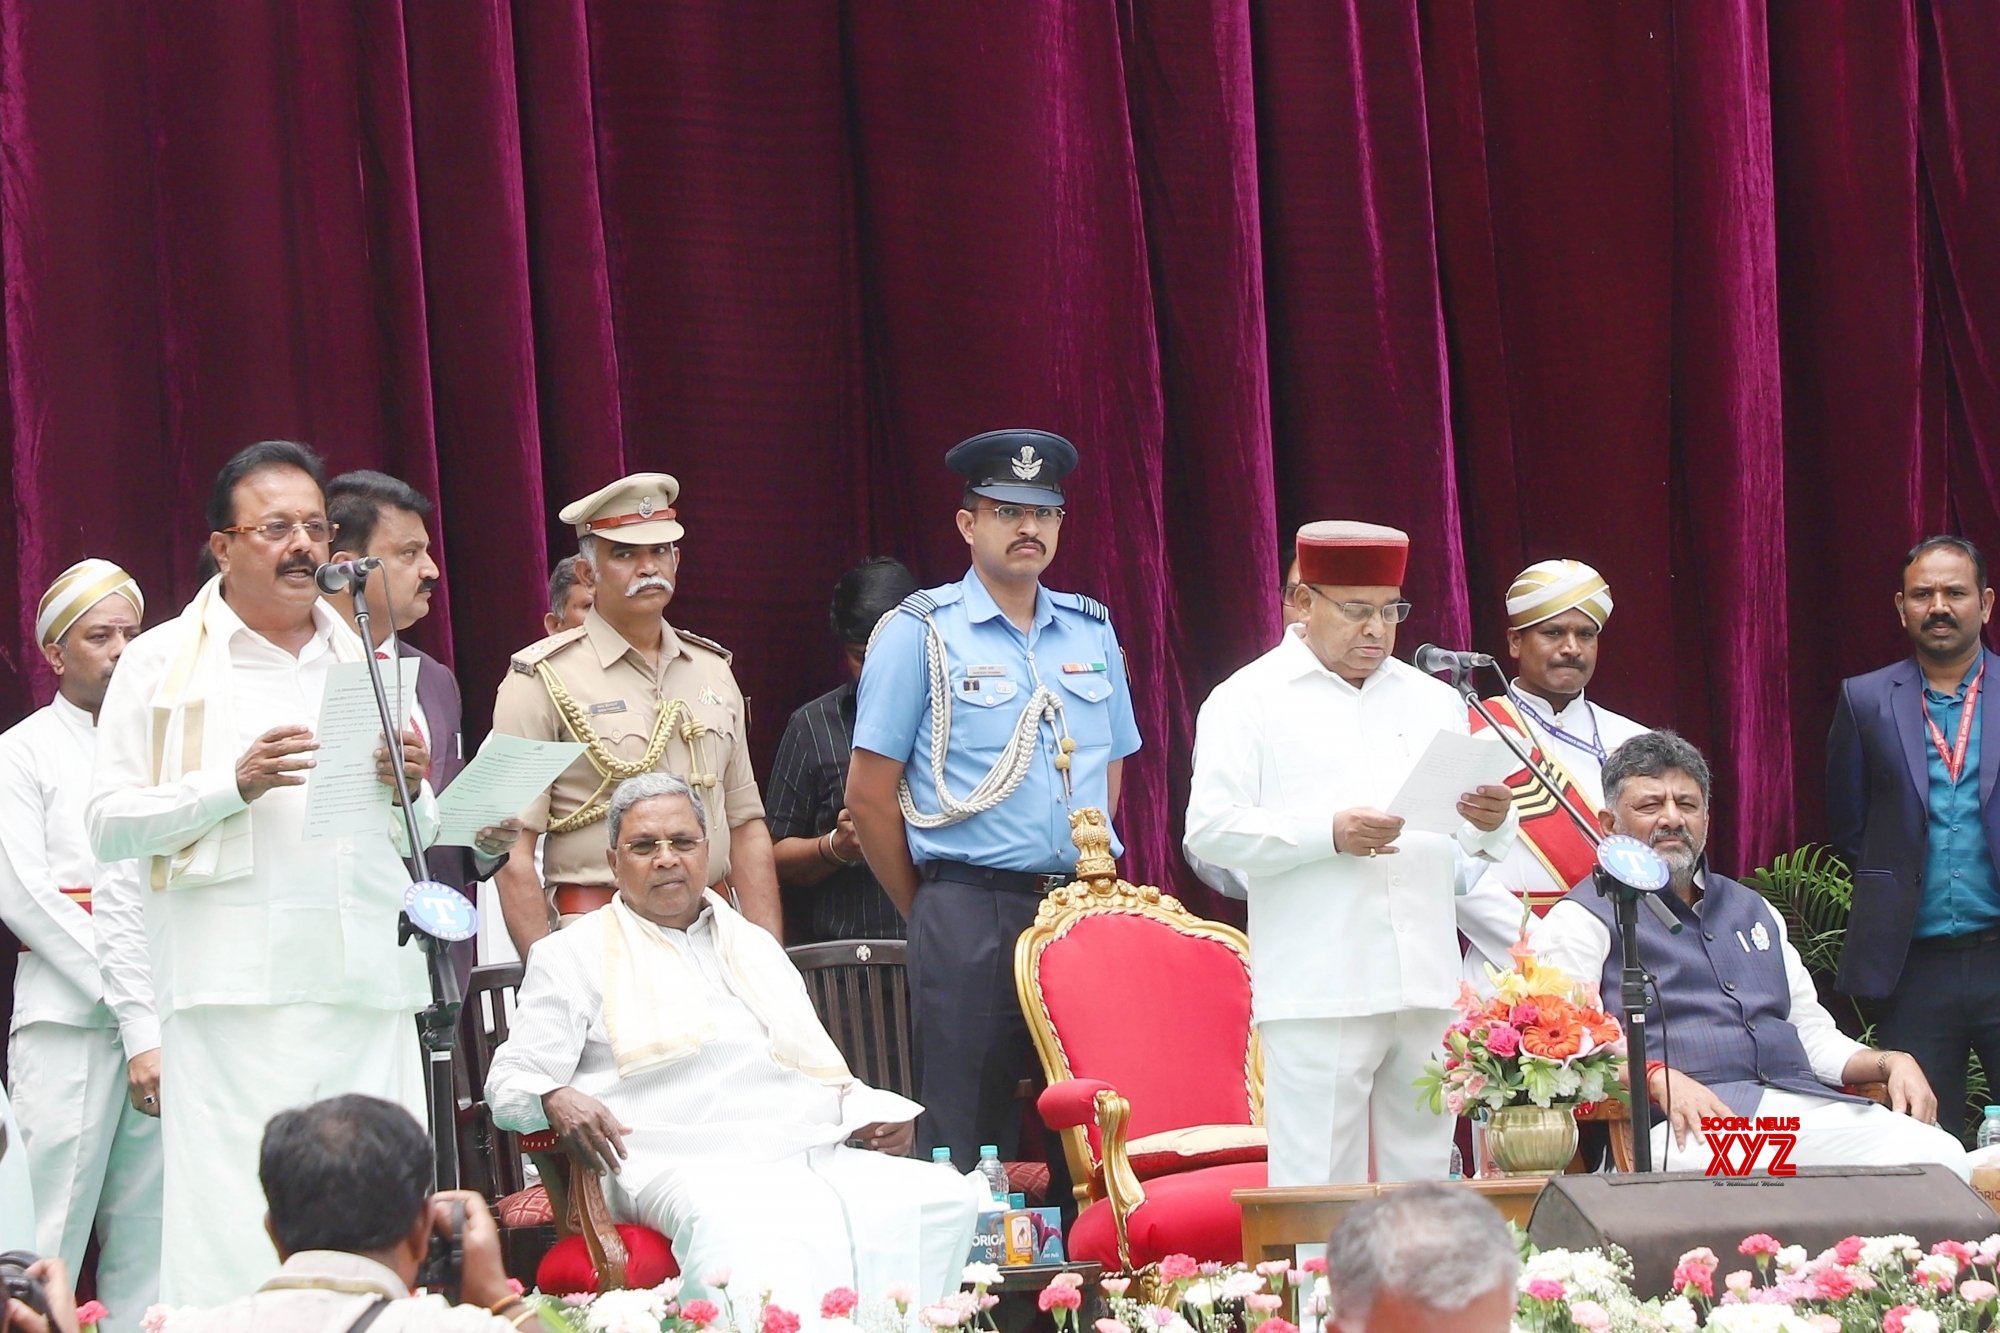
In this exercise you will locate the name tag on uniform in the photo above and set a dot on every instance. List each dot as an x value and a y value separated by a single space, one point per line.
1081 668
608 706
976 672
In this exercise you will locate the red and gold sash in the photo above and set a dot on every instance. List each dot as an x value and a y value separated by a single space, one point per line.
1545 829
79 896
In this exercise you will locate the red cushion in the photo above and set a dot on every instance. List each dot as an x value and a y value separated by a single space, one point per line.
1189 1213
1030 1180
525 1208
1162 1016
566 1269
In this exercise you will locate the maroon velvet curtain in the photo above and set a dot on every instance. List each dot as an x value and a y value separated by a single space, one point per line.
1704 293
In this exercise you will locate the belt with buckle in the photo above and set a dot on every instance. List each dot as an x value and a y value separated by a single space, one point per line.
579 899
1970 940
1003 881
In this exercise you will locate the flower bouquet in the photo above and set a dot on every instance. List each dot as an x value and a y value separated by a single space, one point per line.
1524 1059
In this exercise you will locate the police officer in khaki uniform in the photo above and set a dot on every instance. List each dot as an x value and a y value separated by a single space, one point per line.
644 697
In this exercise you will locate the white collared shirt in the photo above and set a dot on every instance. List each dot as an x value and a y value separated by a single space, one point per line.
45 762
314 922
1281 747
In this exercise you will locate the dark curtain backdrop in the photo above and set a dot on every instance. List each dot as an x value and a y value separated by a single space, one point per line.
1704 293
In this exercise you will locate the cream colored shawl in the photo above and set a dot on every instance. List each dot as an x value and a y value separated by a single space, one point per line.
656 1006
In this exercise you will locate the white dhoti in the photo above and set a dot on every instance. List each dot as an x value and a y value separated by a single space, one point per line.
805 1224
1830 1133
1335 1087
95 1161
225 1070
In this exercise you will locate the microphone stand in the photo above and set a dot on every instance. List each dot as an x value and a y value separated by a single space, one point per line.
437 1024
1633 979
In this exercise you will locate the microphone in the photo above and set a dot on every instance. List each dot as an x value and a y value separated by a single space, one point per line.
1433 660
337 575
1637 866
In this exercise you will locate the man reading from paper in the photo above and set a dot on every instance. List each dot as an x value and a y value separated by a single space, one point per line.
273 959
672 1045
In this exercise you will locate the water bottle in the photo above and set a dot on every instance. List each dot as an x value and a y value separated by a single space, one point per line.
941 1156
1989 1128
996 1174
1457 1171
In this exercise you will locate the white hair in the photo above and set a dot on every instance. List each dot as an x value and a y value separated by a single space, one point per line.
1441 1246
650 787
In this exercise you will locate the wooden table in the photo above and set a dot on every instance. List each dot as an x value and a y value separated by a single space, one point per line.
1275 1221
1021 1285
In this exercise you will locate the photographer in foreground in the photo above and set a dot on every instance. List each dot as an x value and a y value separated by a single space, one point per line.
347 1181
37 1298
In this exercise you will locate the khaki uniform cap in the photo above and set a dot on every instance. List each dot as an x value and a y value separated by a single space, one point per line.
637 511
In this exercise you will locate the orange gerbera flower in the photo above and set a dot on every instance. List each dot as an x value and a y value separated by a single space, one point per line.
1603 1029
1552 1040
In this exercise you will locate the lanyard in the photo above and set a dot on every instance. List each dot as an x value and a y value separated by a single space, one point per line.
1954 758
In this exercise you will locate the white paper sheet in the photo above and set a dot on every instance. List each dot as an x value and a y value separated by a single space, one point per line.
343 797
502 781
1451 766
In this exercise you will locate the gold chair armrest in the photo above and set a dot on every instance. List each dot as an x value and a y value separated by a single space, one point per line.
1121 1183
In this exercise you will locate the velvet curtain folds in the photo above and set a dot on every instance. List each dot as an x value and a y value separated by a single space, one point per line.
1701 292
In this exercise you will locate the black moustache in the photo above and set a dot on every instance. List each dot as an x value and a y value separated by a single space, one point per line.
297 567
1949 622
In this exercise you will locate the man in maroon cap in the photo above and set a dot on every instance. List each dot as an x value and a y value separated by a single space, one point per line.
1354 956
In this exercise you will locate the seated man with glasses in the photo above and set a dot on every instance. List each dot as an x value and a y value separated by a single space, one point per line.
672 1045
1353 948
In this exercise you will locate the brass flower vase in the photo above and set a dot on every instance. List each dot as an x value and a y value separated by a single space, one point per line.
1532 1140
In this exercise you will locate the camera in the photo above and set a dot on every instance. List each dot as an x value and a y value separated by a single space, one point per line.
443 1272
20 1284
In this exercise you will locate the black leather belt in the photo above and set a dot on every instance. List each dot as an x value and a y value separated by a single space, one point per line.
1001 881
1971 940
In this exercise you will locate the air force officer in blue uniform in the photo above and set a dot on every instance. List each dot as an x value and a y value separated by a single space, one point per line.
989 709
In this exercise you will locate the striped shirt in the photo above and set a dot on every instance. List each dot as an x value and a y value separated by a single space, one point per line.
802 799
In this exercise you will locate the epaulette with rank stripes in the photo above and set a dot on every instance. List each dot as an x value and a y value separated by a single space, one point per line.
709 644
1076 601
535 653
926 600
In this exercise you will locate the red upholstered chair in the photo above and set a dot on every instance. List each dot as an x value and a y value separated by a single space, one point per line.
569 1244
1141 1013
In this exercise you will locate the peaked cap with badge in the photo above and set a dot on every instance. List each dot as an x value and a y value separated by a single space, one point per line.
684 716
1014 466
637 510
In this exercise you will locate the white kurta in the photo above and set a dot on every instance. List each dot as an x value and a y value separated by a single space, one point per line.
1282 746
1831 1132
1490 911
274 988
737 1159
95 1160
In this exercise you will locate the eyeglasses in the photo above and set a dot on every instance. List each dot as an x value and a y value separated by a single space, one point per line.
1392 613
1014 513
647 848
278 529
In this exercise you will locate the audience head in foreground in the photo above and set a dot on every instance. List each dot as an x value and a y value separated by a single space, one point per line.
1425 1258
351 1212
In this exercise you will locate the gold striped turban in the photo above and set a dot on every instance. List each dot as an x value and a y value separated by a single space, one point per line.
1551 587
77 589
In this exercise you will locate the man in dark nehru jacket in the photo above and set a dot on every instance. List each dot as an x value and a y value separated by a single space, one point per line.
989 709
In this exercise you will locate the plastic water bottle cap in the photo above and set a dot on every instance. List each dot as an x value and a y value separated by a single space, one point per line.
988 1150
944 1154
1017 1201
1992 1111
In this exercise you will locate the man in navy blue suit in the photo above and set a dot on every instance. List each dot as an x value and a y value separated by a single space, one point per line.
1909 803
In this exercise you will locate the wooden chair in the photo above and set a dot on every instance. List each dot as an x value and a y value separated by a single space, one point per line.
532 1218
862 994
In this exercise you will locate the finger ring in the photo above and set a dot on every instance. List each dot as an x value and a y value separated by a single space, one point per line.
150 1099
1373 850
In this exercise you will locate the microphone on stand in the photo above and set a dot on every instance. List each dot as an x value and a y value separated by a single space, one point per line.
1630 862
1434 661
338 575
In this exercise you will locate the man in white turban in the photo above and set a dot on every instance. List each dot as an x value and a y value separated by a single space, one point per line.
1556 610
85 1093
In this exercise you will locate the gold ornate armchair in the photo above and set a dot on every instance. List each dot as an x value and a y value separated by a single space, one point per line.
1140 1011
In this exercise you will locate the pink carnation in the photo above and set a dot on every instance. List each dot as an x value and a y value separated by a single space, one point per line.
1316 1264
901 1294
1066 1280
1051 1297
1503 1039
839 1303
1175 1267
1277 1326
1847 1251
90 1312
1115 1286
777 1319
1739 1281
1699 1277
1264 1302
1973 1291
1956 1249
700 1313
1760 1243
1591 1316
155 1318
1833 1283
1545 1289
1524 1015
1892 1322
